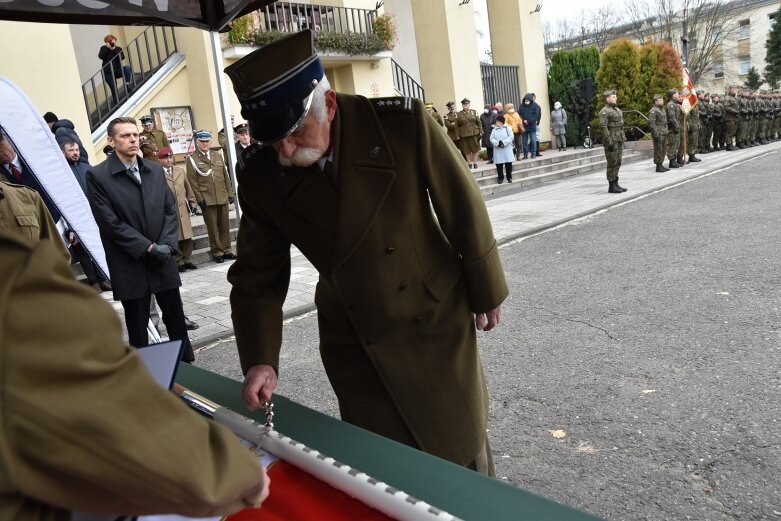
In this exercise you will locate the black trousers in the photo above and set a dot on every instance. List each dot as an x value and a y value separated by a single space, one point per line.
80 255
137 319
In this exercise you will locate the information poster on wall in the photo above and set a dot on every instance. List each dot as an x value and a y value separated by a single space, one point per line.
177 123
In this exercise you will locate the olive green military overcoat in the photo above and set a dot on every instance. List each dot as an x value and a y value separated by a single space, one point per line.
209 177
397 283
82 424
180 186
23 211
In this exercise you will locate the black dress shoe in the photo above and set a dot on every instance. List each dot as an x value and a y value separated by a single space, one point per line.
190 325
190 266
219 260
182 268
104 285
229 255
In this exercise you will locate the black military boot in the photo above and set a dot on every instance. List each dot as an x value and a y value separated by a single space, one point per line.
731 147
660 168
619 186
613 188
674 164
680 160
694 159
664 168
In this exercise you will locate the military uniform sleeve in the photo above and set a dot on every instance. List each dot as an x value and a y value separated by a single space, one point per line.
260 278
169 234
462 215
188 189
603 122
124 235
82 424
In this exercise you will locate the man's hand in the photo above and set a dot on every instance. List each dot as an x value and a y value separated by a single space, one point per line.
259 384
73 238
488 321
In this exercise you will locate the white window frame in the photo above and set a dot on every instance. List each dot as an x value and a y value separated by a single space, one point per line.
744 62
741 24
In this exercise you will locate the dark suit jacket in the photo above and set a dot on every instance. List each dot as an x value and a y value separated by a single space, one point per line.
396 284
131 217
30 181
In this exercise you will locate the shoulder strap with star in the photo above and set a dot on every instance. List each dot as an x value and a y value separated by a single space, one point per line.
393 104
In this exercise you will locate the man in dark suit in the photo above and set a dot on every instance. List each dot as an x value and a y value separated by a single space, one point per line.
16 172
137 213
350 182
243 140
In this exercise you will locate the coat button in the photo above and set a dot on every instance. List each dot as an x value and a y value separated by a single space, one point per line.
375 152
419 319
390 249
403 285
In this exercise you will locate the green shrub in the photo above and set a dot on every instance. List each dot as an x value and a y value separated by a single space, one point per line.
385 28
241 30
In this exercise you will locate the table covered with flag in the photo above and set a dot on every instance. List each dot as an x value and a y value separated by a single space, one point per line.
463 493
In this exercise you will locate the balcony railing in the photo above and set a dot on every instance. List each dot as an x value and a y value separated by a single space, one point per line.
111 86
405 84
292 17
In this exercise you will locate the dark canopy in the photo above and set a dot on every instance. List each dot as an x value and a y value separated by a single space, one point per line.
210 15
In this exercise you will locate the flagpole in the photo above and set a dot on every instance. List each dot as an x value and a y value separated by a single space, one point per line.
685 141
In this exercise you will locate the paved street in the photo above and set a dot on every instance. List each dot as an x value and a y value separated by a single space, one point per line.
647 337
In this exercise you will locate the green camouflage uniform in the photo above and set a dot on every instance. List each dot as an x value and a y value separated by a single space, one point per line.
693 130
731 116
612 122
718 125
657 120
674 115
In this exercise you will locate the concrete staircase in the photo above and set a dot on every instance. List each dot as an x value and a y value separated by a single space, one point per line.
552 165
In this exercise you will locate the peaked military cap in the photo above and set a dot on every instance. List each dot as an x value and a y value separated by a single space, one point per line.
146 120
658 96
608 92
450 104
274 85
241 128
203 135
465 101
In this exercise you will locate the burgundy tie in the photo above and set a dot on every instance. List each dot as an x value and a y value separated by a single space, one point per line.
16 172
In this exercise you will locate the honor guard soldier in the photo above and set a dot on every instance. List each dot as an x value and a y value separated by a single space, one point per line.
402 288
693 133
208 176
470 131
612 122
434 114
743 117
157 138
706 121
674 117
451 123
719 139
657 120
731 116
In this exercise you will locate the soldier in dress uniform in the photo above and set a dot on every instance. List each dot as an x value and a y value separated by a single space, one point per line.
177 181
209 179
434 114
657 120
349 180
674 116
719 141
731 117
451 123
243 141
611 120
470 130
23 212
157 138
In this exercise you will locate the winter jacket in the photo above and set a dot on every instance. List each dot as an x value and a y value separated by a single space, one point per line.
530 114
558 121
63 130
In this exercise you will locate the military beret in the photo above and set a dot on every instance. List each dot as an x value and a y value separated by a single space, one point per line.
608 92
241 128
164 152
658 96
145 120
203 135
274 85
465 101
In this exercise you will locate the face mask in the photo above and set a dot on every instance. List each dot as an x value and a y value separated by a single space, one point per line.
485 111
526 102
511 110
494 111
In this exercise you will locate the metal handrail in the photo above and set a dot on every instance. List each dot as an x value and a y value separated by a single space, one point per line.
405 84
294 16
140 59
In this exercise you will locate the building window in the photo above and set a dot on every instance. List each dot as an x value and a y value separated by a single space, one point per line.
745 64
718 70
744 27
771 21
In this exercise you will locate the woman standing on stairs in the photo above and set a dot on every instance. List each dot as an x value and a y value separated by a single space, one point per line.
502 140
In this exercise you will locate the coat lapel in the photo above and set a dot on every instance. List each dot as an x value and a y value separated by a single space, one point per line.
364 162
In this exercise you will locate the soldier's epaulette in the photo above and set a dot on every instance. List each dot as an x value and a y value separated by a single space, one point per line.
395 104
251 153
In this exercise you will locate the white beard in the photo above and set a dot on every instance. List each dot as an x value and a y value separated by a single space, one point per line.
302 157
